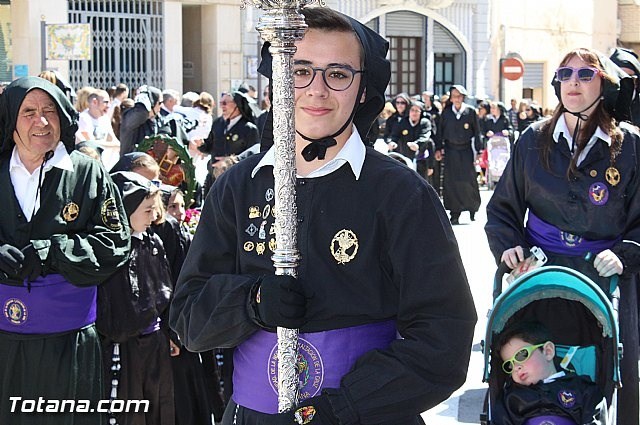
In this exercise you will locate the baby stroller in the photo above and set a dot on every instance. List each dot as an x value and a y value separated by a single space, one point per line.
498 152
578 314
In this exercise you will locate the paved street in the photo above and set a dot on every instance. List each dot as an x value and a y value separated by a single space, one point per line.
464 405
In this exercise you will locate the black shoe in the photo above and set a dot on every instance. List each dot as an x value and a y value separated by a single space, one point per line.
472 214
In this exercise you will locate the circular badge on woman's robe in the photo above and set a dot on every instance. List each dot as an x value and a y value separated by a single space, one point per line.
598 193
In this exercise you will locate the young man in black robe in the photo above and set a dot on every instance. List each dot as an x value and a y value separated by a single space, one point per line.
382 337
63 231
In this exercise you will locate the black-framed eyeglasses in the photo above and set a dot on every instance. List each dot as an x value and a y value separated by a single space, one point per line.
337 78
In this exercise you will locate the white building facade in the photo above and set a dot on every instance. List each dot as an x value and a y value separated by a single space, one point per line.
211 45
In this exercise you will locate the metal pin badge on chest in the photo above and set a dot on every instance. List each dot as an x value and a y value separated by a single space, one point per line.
269 194
344 246
234 137
466 126
70 211
593 173
612 175
598 193
405 132
254 212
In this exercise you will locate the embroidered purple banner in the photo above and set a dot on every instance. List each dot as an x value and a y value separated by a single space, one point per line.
323 359
53 305
551 239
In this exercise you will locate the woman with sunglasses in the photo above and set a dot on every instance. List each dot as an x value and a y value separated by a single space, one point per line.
533 391
577 178
401 104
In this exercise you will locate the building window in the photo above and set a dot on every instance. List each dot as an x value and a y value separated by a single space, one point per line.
406 65
443 73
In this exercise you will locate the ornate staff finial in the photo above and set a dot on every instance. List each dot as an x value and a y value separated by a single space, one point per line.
282 25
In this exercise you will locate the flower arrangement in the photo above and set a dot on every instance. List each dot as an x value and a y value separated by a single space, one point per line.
192 218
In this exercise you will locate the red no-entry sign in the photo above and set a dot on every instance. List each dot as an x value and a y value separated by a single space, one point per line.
512 68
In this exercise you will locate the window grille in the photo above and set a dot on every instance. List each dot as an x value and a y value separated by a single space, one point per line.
127 41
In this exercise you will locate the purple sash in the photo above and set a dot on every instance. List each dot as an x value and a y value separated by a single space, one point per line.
551 239
53 305
550 420
323 357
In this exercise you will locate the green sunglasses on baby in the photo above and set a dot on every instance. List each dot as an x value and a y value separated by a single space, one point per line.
521 356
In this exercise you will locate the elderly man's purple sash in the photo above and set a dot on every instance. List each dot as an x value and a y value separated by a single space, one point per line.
323 359
553 240
52 305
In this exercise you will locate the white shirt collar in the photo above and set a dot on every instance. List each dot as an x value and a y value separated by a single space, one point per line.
458 113
60 159
138 235
561 127
233 122
554 377
353 152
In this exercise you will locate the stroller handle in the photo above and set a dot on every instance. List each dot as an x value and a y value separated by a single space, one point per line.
503 269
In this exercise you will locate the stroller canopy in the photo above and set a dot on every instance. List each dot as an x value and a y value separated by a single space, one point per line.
551 282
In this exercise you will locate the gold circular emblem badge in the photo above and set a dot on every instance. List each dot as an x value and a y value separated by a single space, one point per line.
248 246
344 246
593 173
110 215
612 175
70 211
15 311
405 132
466 126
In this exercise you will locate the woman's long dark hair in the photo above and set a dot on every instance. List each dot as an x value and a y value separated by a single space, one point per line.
598 118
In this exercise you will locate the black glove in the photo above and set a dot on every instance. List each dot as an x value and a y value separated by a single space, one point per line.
11 259
32 264
315 411
278 300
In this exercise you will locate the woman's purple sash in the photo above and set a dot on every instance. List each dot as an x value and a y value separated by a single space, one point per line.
551 239
323 359
52 305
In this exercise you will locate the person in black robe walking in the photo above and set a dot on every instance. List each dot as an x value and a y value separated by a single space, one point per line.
458 139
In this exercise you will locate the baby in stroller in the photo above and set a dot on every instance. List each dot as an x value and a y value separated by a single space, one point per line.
537 392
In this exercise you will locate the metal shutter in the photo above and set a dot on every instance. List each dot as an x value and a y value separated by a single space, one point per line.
533 75
443 41
405 24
